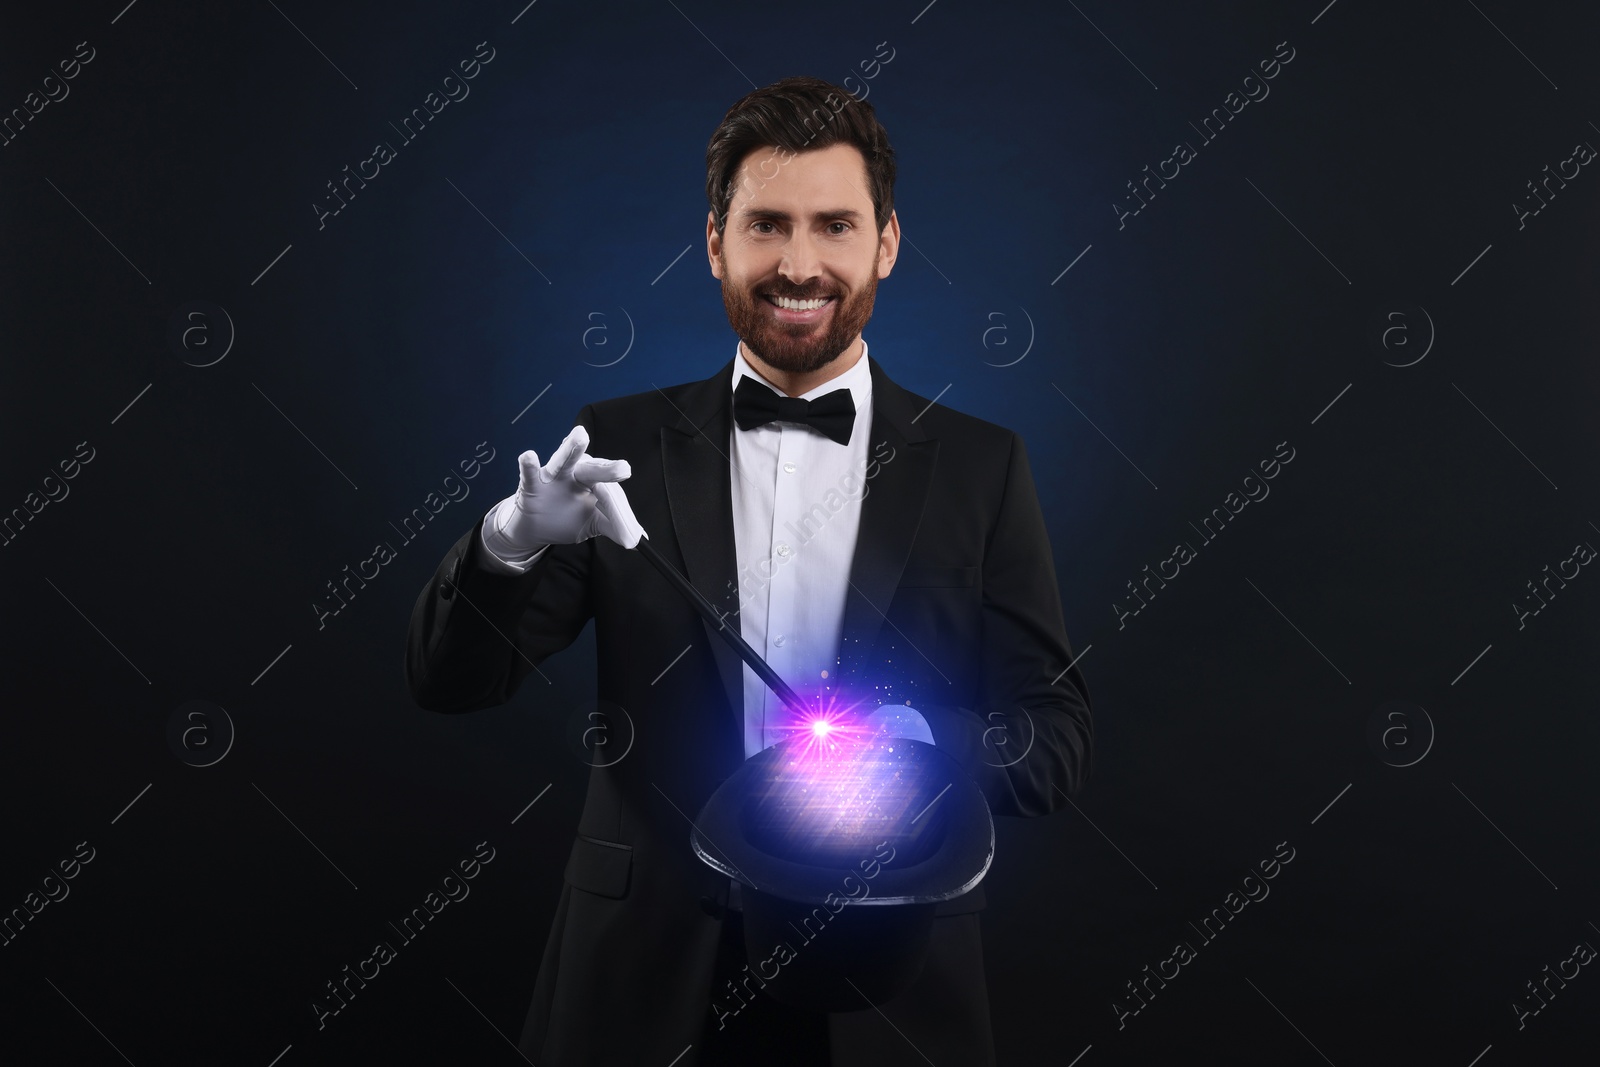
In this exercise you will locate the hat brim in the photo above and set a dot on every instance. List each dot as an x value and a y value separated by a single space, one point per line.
722 836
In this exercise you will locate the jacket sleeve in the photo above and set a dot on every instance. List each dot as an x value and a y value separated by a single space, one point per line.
476 632
1029 745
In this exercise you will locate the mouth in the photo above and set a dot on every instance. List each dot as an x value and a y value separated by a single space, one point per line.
786 309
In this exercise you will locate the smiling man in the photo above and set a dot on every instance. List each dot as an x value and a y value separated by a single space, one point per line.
885 554
798 290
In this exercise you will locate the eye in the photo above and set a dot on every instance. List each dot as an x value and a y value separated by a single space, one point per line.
841 233
763 222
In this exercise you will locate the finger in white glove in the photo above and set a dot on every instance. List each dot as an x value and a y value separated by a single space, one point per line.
614 516
567 453
569 499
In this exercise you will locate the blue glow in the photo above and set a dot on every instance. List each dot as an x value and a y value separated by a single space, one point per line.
838 790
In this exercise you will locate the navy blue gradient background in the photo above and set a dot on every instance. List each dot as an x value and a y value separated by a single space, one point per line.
1175 354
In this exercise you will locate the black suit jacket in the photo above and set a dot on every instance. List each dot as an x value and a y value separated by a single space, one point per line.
952 606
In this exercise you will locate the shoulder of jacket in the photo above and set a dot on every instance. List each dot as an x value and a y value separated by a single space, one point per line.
656 405
973 433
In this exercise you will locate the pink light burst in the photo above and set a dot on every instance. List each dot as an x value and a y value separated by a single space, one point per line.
825 731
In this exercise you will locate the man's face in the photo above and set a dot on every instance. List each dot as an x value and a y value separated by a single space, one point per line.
801 228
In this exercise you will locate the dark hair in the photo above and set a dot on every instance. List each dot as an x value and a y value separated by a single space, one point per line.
798 114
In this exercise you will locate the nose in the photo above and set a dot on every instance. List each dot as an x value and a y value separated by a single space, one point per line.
800 264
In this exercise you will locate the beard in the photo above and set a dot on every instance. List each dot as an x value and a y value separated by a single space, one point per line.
793 347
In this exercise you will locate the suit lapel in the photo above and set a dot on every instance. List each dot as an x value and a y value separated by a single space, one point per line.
891 513
695 463
694 460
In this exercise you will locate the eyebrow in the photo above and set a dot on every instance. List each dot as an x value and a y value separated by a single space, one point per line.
847 214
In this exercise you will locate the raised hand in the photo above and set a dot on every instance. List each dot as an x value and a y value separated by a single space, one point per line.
570 499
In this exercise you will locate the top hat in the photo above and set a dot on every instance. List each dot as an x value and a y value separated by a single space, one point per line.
842 851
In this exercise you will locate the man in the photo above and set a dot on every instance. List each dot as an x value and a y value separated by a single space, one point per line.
872 546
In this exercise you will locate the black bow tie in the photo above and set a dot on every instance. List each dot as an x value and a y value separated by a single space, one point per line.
832 414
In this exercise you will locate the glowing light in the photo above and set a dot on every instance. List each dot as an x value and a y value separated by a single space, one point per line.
840 787
823 728
835 799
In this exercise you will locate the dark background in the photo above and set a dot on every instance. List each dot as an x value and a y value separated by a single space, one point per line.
1179 350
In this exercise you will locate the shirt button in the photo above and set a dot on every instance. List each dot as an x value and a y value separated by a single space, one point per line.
780 639
788 468
784 550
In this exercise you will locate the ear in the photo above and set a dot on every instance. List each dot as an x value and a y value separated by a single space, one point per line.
713 245
888 245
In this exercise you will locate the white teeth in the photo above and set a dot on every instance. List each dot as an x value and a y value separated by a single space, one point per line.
798 305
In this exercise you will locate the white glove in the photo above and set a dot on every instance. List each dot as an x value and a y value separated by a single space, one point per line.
897 720
570 499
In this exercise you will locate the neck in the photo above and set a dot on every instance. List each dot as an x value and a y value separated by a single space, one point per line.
798 384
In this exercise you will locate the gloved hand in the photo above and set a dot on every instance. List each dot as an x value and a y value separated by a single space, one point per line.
570 499
898 720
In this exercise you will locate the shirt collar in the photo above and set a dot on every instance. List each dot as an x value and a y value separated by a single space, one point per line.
858 379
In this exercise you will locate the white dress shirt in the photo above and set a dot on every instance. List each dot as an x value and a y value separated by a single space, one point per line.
796 512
